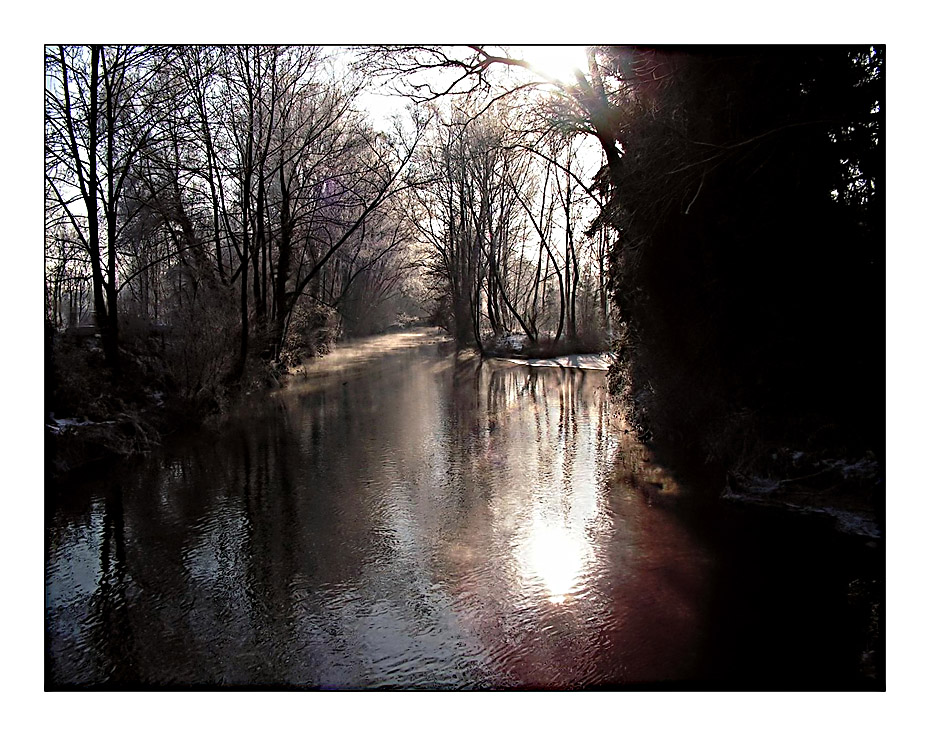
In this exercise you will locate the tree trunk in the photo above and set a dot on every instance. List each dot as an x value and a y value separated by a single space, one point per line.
90 198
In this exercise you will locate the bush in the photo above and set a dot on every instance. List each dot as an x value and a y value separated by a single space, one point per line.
313 329
201 349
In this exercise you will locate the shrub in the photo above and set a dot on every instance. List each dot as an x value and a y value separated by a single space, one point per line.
313 329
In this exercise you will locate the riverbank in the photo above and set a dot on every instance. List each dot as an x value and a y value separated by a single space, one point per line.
591 361
95 414
588 353
519 346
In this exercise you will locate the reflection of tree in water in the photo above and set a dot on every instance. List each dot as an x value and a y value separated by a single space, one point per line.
536 520
109 629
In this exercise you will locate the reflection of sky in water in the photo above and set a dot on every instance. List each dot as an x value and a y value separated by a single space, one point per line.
74 560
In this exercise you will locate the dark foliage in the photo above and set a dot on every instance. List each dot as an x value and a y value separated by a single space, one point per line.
167 380
750 267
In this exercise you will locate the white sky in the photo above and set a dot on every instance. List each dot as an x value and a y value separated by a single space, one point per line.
557 61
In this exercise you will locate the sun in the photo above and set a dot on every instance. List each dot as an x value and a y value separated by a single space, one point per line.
558 62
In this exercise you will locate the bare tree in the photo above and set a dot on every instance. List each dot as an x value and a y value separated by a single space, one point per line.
101 109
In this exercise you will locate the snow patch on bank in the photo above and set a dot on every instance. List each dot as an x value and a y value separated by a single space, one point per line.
765 492
57 426
591 361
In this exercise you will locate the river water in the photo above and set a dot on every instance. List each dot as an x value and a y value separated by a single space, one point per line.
401 517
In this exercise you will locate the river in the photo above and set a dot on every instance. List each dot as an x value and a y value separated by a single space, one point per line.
402 516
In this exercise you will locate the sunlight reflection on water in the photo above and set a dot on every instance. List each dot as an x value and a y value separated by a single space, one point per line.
556 557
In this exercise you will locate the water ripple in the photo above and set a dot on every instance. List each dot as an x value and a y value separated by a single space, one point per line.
431 523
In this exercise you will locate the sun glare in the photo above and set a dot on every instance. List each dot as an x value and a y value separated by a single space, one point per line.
559 62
